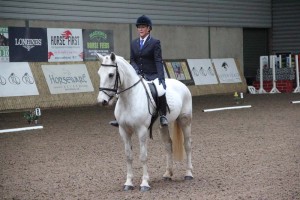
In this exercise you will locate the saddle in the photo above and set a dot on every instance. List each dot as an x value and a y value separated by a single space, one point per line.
154 94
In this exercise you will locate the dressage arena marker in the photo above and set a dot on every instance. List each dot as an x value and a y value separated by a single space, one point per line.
20 129
226 108
295 102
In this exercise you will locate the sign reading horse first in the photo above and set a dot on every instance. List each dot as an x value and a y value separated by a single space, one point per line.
64 45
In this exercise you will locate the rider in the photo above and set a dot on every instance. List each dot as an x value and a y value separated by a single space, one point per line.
146 59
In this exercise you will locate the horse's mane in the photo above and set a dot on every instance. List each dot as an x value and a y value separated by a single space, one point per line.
120 58
124 62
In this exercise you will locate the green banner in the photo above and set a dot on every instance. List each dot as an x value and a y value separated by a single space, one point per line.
97 41
4 45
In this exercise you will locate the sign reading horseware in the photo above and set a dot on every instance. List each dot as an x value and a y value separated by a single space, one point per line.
27 44
16 79
202 71
67 78
227 70
97 41
64 45
4 44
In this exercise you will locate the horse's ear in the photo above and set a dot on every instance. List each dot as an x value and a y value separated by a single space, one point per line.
100 57
113 56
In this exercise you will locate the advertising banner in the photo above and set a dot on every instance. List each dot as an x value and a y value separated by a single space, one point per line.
73 78
202 71
64 45
97 41
4 44
16 79
227 70
178 69
27 44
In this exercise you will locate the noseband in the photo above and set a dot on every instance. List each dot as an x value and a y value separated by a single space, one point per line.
116 85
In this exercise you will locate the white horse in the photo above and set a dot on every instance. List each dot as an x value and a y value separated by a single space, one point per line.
134 110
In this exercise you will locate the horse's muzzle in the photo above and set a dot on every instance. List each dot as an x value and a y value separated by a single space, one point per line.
104 103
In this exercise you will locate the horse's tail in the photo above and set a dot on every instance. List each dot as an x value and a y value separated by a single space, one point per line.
177 142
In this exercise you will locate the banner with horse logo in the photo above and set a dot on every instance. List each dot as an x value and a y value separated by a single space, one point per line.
97 41
16 79
27 44
4 45
64 45
227 70
202 71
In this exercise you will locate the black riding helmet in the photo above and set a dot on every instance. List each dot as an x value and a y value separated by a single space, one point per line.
144 20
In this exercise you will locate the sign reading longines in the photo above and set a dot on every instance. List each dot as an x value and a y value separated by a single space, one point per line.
28 44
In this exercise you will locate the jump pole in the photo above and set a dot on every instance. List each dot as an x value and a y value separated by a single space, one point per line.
280 63
20 129
226 108
295 102
297 89
272 63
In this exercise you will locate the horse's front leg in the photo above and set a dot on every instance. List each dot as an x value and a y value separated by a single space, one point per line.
143 135
164 131
129 159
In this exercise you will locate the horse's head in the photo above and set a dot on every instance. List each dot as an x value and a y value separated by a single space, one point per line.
109 79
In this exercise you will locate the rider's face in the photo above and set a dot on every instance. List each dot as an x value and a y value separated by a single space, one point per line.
143 30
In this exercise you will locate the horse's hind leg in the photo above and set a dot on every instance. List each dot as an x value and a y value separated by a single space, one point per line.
129 158
185 123
168 147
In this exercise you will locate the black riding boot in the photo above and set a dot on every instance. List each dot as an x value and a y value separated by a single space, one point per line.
163 110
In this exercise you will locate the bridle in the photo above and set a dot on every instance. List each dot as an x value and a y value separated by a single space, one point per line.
116 85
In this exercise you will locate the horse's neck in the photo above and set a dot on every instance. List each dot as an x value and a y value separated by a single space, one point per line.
130 78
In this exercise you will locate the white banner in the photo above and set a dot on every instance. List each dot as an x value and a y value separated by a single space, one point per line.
67 78
202 71
64 45
227 70
16 79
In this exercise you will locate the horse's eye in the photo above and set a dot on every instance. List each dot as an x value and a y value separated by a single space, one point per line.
111 75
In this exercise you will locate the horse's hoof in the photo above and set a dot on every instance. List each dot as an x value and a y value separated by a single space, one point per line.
128 187
188 178
144 189
167 179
